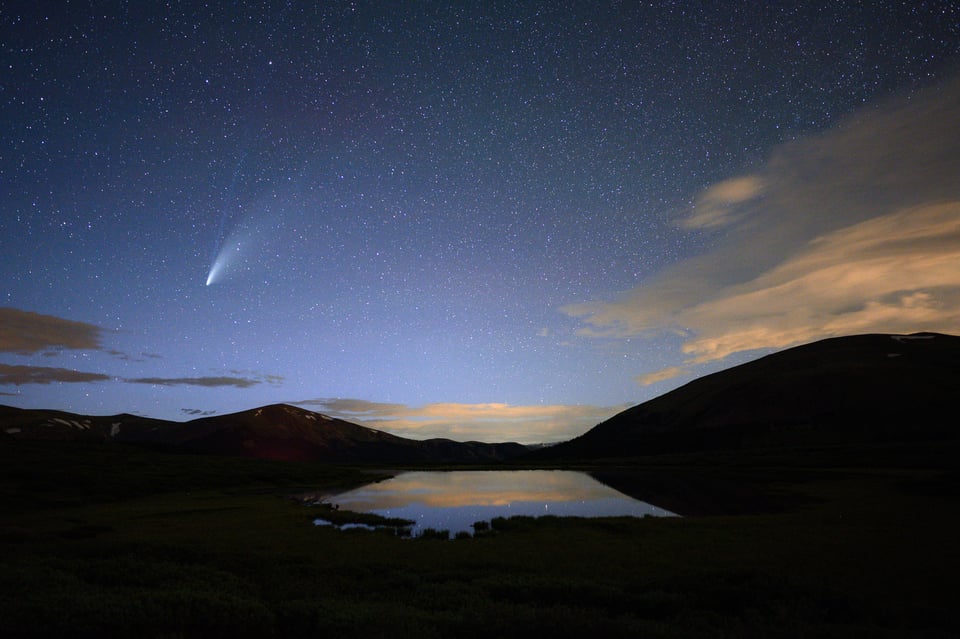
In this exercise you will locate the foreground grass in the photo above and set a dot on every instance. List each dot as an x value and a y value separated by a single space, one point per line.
113 542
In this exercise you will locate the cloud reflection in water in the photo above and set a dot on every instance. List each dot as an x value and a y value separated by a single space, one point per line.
455 500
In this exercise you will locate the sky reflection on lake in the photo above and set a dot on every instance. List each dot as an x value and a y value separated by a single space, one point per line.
454 500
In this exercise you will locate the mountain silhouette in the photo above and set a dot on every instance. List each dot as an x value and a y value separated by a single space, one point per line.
277 431
861 389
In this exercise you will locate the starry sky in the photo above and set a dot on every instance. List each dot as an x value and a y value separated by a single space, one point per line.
479 220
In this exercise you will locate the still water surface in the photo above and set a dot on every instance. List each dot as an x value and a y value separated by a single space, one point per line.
454 500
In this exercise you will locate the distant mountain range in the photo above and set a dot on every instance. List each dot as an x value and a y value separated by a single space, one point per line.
271 432
862 389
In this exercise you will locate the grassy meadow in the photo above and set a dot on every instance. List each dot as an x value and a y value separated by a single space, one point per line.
102 541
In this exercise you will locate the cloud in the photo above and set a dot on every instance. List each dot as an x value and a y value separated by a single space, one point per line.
17 375
853 230
236 382
718 205
237 379
660 376
25 332
491 422
897 273
355 408
197 411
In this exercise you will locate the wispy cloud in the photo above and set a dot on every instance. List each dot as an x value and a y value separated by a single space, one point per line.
492 422
660 376
720 204
853 230
26 333
212 381
17 375
236 379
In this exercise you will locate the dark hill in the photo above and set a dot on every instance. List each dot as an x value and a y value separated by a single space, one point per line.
862 389
270 432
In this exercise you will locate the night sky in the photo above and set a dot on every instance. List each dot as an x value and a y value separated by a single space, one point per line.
482 220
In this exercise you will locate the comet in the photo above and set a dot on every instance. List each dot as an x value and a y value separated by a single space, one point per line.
223 255
254 232
228 255
256 227
214 272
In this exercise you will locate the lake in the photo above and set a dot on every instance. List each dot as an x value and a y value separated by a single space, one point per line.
456 499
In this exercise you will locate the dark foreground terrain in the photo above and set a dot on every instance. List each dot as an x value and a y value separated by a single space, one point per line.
100 540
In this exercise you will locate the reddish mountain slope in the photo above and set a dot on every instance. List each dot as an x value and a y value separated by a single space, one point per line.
270 432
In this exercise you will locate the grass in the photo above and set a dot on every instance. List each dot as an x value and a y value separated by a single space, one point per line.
107 541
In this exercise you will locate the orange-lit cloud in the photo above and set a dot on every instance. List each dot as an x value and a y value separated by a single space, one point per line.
660 376
894 274
26 333
854 230
718 205
491 422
